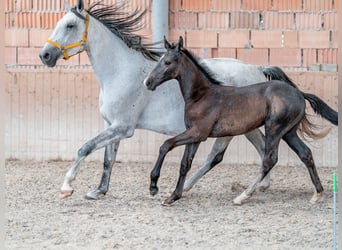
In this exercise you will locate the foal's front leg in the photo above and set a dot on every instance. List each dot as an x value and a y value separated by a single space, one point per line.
189 153
186 137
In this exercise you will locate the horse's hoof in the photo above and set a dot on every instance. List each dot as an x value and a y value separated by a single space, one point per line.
317 197
187 187
263 188
153 191
65 193
240 199
93 195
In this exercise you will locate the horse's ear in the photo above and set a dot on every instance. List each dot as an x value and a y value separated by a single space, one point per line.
167 45
180 43
80 5
67 6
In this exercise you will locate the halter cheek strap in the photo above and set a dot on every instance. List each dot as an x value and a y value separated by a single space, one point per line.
82 43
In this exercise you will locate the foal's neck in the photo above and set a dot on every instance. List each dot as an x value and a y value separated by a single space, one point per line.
192 81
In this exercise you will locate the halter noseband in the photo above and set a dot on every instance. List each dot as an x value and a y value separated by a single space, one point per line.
81 43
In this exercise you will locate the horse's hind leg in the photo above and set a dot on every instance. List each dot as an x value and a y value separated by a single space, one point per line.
269 160
109 159
305 154
214 158
257 138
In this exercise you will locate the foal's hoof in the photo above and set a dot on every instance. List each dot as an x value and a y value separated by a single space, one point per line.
153 191
317 197
65 193
94 195
168 202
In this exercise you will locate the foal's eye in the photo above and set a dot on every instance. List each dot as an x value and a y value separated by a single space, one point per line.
167 62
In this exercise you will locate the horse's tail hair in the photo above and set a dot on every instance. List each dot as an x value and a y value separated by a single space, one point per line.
319 106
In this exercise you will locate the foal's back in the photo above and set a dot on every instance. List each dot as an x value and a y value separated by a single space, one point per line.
236 111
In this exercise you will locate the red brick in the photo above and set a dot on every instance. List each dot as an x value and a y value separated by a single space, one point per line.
309 57
213 20
234 39
16 37
201 52
327 56
278 20
29 56
331 20
314 39
253 56
175 34
285 57
241 20
84 59
183 20
196 5
175 5
290 39
10 55
266 39
201 39
334 39
226 5
318 5
306 21
256 5
38 37
287 5
224 52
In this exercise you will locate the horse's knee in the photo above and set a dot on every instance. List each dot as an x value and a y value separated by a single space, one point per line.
86 149
268 162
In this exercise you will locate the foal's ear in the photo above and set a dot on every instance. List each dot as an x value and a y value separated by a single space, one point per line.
67 6
180 43
80 5
167 45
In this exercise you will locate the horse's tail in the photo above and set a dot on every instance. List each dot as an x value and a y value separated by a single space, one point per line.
318 105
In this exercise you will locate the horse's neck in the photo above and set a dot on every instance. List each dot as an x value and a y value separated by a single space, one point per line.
192 82
110 57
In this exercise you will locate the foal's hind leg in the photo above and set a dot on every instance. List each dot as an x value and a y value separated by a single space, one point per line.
108 162
304 153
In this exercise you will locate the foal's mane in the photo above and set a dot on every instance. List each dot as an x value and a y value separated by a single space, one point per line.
204 69
123 24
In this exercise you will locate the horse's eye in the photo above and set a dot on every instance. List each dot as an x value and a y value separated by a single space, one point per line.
70 26
167 62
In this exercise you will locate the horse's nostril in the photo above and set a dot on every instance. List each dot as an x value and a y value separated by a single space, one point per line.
46 56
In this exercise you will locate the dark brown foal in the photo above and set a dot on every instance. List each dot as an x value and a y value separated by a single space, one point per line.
213 110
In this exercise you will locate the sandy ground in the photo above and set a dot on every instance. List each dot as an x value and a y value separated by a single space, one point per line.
129 218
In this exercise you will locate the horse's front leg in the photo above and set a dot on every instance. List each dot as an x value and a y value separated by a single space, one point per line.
189 153
108 162
109 136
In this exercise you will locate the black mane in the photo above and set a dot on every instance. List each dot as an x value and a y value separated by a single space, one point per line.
204 69
123 24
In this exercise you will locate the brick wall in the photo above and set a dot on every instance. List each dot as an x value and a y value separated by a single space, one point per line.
298 35
294 34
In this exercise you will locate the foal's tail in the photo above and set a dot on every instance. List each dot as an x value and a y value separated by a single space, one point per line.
317 104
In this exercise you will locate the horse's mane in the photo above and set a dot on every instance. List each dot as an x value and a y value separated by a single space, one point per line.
204 69
123 24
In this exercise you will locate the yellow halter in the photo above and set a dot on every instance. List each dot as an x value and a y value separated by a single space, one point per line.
81 43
